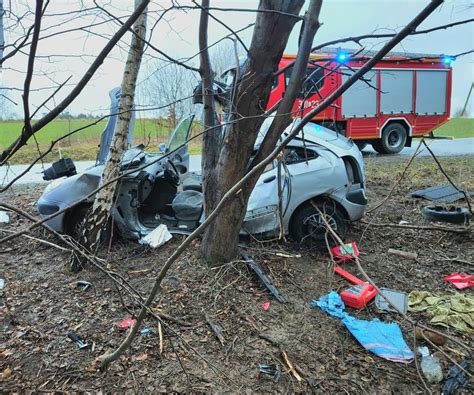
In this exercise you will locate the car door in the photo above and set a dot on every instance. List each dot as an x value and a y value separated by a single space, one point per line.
178 146
109 130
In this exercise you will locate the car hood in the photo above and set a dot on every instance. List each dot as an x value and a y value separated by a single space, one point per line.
316 134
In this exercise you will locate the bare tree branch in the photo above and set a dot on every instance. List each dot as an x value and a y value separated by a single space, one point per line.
22 140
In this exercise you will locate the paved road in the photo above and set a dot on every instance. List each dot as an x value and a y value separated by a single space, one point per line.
440 147
453 147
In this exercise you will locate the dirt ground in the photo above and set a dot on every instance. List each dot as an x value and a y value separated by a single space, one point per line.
41 304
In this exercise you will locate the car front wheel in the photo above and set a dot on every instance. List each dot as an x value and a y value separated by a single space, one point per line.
307 225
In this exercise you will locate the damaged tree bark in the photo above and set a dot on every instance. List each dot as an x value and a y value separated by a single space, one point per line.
98 216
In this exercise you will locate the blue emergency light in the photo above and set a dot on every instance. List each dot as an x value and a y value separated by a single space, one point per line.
342 57
448 60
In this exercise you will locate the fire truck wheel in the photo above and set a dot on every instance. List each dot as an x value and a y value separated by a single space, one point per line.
394 138
307 226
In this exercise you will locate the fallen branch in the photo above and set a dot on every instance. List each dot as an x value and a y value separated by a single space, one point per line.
216 328
403 254
421 227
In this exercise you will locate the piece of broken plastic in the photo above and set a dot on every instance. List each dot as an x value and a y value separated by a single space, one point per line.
265 305
145 331
127 323
157 237
4 217
399 299
460 280
346 252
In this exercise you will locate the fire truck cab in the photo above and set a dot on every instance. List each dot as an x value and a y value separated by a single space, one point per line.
405 95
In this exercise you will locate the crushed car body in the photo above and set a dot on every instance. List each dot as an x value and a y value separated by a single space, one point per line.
321 171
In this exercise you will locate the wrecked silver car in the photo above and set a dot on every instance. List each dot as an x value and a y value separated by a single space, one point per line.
320 170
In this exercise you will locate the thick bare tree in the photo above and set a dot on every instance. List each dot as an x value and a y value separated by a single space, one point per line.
224 164
97 218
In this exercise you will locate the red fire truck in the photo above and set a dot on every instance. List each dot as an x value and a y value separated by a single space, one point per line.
403 96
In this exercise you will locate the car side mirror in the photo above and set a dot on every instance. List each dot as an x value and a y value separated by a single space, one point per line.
162 148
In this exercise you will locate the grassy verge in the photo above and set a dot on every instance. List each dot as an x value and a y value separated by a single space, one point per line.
82 145
456 128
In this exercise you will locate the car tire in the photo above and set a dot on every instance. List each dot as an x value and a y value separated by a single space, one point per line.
453 215
393 140
305 226
75 221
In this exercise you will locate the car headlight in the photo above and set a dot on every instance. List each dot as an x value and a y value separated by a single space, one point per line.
54 184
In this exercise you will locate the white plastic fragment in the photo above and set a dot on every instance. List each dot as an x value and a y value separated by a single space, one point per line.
4 217
157 237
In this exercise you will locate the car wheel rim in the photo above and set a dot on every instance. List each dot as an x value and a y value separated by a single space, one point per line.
316 227
394 138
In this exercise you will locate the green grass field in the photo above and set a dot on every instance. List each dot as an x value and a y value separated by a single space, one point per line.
83 144
457 128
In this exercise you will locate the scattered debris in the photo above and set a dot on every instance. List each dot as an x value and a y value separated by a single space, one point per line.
127 323
460 280
360 294
383 339
430 366
2 283
84 284
290 366
346 252
271 370
440 193
396 298
423 334
4 217
160 336
284 255
157 237
456 378
455 310
402 222
7 372
79 343
264 278
404 254
265 305
146 331
216 328
453 215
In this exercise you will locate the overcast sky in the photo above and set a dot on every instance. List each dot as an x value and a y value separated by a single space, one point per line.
177 36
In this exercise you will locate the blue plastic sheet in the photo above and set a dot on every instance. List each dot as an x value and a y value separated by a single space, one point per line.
383 339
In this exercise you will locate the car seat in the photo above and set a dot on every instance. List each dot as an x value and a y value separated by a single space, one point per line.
187 205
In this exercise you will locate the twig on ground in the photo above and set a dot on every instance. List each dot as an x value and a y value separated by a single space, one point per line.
421 227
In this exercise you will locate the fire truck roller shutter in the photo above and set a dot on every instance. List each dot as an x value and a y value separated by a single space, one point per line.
360 100
431 92
396 95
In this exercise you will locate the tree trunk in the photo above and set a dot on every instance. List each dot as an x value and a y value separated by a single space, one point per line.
2 36
268 43
211 141
99 214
